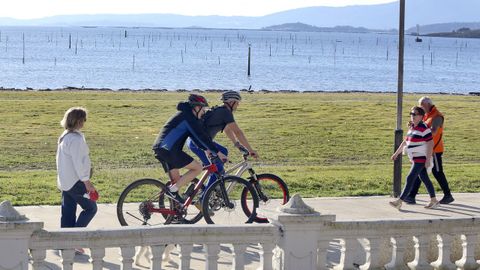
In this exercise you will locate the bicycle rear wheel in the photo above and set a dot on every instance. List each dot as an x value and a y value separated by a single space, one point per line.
216 206
273 193
135 204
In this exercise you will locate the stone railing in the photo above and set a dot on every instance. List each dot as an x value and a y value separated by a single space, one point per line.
297 238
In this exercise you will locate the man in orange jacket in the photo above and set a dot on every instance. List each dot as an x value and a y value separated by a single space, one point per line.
434 120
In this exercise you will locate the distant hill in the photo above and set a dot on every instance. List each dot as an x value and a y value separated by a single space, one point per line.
301 27
460 33
381 16
443 27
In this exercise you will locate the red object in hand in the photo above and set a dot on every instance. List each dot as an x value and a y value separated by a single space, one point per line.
93 195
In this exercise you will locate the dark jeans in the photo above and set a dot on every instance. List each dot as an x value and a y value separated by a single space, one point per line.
203 157
417 170
438 174
70 199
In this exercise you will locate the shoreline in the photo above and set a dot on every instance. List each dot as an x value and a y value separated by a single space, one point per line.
77 89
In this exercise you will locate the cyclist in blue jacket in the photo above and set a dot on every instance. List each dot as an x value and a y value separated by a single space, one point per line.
168 146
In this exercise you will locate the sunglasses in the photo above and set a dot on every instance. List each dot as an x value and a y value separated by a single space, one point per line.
414 114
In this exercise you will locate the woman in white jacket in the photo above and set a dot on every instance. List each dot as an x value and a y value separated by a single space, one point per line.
418 144
74 171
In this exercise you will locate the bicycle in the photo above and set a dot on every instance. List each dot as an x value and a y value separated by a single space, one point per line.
144 202
268 186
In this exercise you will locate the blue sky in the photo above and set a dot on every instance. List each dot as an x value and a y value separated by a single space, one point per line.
29 9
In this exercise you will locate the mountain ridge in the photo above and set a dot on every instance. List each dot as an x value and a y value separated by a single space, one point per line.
380 16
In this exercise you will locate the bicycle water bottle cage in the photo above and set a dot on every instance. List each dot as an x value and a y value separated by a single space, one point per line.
212 168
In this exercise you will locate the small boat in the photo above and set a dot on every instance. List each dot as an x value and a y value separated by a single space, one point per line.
418 38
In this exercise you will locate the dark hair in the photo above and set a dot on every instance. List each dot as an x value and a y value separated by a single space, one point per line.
418 109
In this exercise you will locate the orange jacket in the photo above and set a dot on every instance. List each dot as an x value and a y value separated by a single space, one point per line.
437 138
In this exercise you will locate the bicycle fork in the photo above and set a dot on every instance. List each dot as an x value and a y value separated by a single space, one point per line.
256 184
225 196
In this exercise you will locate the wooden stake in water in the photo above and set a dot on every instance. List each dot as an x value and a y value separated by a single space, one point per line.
423 61
181 54
248 69
23 55
293 50
125 33
69 41
431 58
133 63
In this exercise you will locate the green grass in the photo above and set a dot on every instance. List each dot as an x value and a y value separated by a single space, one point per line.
322 144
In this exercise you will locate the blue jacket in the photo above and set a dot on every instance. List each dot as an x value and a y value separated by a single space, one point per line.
179 127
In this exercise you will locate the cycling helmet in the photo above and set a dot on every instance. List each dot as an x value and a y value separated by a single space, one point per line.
197 100
231 95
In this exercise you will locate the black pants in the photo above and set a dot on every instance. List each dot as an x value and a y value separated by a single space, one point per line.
438 174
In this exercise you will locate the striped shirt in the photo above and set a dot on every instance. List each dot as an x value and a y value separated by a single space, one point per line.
417 137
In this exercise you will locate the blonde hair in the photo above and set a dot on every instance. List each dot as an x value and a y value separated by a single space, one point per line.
72 118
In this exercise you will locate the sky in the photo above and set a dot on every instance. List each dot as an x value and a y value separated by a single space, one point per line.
31 9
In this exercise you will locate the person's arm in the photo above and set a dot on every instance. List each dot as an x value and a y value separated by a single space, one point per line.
399 150
437 122
429 152
81 161
236 135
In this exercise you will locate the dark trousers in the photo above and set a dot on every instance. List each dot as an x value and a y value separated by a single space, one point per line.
438 174
203 157
417 170
70 200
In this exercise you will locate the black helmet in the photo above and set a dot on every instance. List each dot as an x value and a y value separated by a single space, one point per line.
197 100
231 95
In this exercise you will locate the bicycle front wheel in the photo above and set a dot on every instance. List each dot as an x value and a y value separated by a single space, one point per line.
272 193
217 209
141 202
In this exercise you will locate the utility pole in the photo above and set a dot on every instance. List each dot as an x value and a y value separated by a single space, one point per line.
397 165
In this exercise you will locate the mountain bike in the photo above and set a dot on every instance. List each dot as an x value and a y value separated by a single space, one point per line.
272 191
144 202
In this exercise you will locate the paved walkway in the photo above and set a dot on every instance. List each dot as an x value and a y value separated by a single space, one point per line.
345 208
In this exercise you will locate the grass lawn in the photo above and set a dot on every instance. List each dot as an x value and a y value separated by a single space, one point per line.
321 144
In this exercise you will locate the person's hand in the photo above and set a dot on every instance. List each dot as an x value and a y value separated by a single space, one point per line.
427 162
222 157
89 186
254 154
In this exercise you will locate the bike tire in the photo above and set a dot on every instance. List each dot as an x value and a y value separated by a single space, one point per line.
133 201
276 191
237 189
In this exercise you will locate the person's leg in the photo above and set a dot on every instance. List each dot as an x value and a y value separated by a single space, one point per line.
431 190
194 168
410 198
440 175
89 207
219 164
411 178
69 211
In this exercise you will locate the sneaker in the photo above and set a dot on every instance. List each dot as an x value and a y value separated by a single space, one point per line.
79 251
174 195
447 200
432 205
396 204
198 205
409 200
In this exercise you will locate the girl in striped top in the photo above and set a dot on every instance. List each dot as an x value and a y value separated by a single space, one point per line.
418 144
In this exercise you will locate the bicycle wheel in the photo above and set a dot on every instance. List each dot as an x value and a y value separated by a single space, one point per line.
219 212
272 193
138 199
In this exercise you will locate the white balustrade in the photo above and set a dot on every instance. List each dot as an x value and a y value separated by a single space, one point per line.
296 238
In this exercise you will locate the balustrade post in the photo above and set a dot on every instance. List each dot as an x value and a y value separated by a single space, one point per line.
373 251
185 251
157 253
239 260
421 248
347 254
211 256
322 247
266 255
96 258
398 253
67 258
38 258
444 246
127 254
300 228
468 262
15 234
